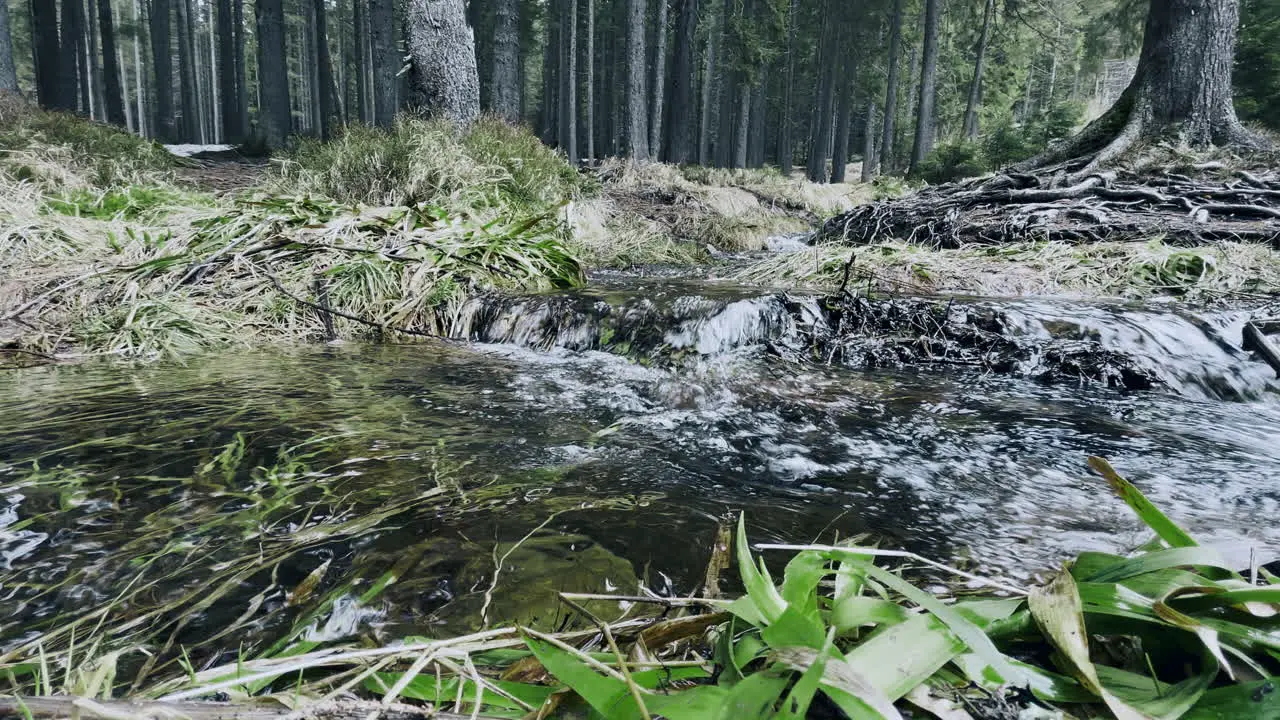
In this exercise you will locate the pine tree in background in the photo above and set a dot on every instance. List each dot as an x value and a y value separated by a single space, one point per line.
8 71
113 95
273 73
925 116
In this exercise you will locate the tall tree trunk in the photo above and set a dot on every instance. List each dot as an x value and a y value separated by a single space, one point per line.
755 148
139 68
679 126
47 55
227 73
1182 88
820 131
97 99
659 82
786 142
444 82
975 87
385 63
591 80
549 111
359 14
8 72
187 75
324 71
73 60
506 60
889 133
273 73
869 143
569 81
710 71
844 118
926 128
742 127
637 113
113 96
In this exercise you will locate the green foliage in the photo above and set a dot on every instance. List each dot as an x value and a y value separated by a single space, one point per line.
491 166
100 155
1257 76
953 161
128 203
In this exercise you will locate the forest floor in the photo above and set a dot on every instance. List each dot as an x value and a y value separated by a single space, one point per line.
112 245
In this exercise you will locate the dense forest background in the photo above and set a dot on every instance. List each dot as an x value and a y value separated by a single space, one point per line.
932 86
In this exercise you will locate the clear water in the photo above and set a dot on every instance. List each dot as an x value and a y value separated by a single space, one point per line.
457 450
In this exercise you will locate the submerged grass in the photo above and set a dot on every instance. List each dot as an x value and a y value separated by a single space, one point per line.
1170 631
1120 269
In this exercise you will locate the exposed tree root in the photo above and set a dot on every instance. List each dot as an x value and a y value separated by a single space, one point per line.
1181 203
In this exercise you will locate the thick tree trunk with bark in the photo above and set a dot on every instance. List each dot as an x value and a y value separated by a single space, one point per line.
926 128
273 73
112 93
8 73
1180 92
444 82
975 87
680 125
385 61
637 109
506 60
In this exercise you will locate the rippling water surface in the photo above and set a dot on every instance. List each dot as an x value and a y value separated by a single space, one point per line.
431 460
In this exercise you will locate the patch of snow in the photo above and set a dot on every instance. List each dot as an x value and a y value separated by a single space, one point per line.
189 150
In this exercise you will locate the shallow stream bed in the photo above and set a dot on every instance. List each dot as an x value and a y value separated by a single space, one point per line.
250 496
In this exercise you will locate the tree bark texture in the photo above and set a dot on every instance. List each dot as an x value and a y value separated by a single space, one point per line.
591 80
8 72
273 73
569 81
869 161
506 60
710 72
385 61
786 141
444 82
926 127
820 130
637 111
1181 91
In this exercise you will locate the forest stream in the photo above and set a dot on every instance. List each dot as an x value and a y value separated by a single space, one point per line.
619 422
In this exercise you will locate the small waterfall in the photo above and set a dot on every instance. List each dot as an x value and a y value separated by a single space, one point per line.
1114 345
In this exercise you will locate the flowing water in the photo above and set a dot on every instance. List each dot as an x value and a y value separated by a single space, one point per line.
614 427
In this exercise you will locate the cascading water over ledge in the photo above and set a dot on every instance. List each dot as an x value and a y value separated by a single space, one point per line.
1117 346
